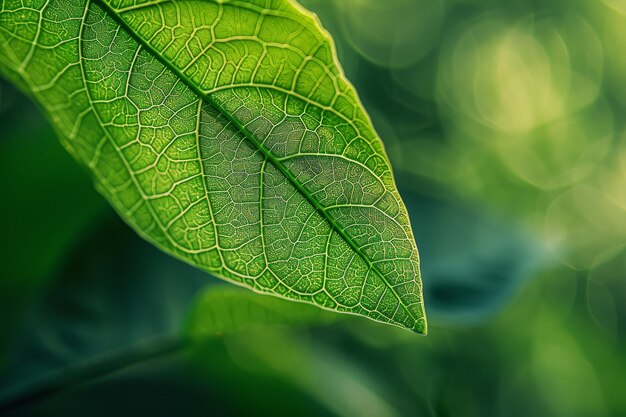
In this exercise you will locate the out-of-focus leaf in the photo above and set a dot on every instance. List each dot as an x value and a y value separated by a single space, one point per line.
221 310
179 384
115 291
248 155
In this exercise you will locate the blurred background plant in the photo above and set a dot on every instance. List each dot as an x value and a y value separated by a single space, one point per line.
506 125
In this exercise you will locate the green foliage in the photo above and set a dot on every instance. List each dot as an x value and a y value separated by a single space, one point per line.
226 134
504 124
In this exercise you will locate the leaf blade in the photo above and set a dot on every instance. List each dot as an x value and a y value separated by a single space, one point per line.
264 181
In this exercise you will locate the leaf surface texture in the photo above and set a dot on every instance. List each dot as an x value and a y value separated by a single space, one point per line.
225 133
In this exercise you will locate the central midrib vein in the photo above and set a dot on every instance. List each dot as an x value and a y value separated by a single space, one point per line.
267 154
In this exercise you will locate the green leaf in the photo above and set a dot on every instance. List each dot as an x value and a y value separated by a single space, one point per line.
220 310
225 133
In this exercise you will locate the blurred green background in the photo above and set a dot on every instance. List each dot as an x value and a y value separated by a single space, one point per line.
506 125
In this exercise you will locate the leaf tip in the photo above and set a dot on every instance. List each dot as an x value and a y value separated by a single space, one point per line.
421 326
